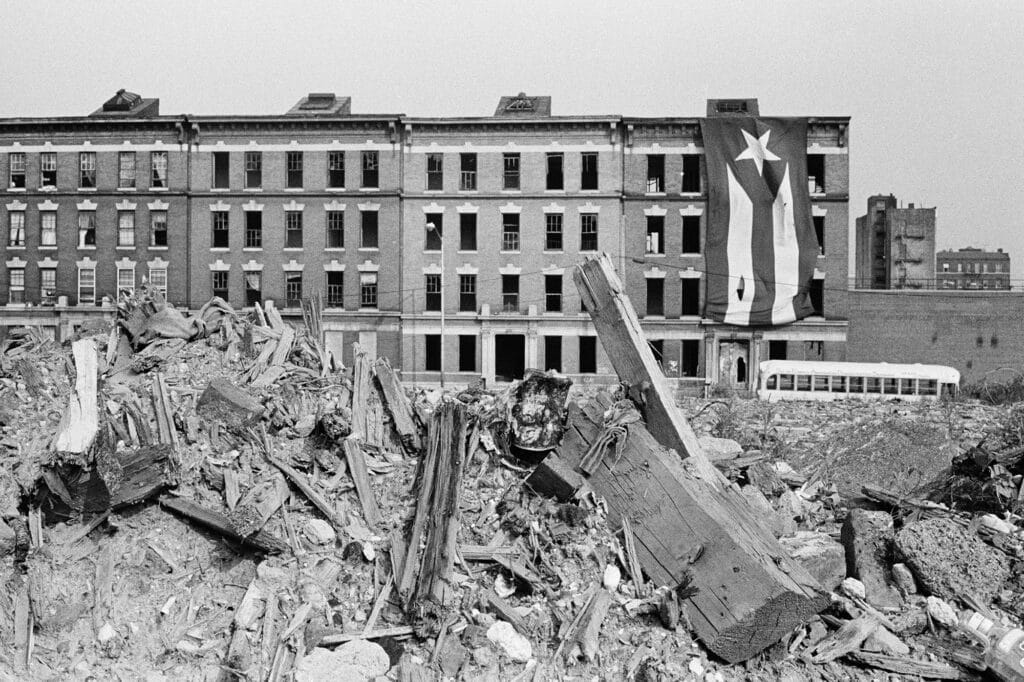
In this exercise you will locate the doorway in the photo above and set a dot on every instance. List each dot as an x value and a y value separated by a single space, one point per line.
734 364
509 357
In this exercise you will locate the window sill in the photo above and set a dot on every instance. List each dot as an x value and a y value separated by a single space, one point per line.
252 189
554 191
462 252
654 194
158 248
127 189
552 313
294 189
689 254
16 305
220 189
590 191
691 194
432 251
15 247
554 251
159 189
819 195
511 253
87 189
433 191
369 310
48 188
368 249
17 189
466 313
86 248
511 191
469 191
48 247
252 249
582 251
292 249
220 249
653 255
335 189
335 249
369 189
653 317
130 247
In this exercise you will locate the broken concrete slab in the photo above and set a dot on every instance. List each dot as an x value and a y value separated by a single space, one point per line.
720 448
949 561
868 537
227 404
820 554
358 661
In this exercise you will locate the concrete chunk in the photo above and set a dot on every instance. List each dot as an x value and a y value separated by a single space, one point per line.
224 402
823 557
868 537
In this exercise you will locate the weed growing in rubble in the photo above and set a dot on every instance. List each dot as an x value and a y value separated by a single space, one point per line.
772 443
1011 427
728 423
996 392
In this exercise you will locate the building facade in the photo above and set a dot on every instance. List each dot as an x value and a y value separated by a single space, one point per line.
394 219
971 268
895 246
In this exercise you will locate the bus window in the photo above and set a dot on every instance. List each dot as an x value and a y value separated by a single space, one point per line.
820 384
874 385
803 382
949 390
856 384
772 383
785 382
906 386
838 384
889 385
927 386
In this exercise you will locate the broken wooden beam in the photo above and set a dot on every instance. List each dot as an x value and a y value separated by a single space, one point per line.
80 423
217 522
553 477
318 500
356 460
112 479
398 404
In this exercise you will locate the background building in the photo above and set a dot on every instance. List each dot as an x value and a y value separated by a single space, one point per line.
895 246
971 268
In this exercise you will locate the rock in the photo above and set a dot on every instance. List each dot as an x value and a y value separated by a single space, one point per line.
853 588
224 402
996 524
7 539
305 425
452 657
515 645
942 612
320 532
868 536
885 642
823 557
106 633
904 579
356 661
949 561
612 577
720 448
763 475
779 523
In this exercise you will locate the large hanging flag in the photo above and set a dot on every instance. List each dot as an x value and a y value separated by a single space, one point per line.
761 246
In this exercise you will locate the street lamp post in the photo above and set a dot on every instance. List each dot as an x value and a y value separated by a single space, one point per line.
431 227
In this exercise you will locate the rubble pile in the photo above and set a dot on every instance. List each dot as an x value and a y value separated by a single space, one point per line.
214 497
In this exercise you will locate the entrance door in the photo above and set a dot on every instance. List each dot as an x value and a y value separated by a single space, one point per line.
509 356
734 363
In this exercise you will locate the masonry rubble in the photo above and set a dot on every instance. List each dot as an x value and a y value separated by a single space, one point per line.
214 496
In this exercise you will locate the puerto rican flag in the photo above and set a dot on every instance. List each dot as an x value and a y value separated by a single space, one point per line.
761 246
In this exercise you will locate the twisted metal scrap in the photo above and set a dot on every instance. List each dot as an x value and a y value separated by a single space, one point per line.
614 431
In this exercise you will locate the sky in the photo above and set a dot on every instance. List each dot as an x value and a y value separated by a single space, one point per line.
934 88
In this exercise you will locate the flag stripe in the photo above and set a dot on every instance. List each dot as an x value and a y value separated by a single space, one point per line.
740 254
787 254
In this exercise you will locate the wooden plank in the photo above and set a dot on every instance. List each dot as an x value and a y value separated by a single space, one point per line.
219 523
318 500
364 490
398 404
80 423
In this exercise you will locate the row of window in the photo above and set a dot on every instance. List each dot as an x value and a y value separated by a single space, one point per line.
126 170
511 234
977 267
843 384
86 283
87 229
294 170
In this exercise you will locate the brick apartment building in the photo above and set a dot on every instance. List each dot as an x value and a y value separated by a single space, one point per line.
388 215
895 246
971 268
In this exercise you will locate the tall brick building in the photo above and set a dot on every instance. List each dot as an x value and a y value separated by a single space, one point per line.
389 215
895 246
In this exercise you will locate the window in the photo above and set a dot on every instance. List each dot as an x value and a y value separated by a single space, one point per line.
335 229
553 293
467 232
856 384
467 353
554 175
126 281
691 296
48 228
927 386
655 234
467 178
588 232
369 230
691 173
254 229
817 295
803 382
48 170
691 357
17 170
553 232
819 232
336 170
510 293
691 234
221 170
467 293
16 235
220 283
253 170
511 175
126 228
435 172
509 231
776 350
86 229
816 173
220 229
819 384
433 231
253 288
158 163
907 387
588 170
47 285
873 385
293 229
432 352
553 353
655 297
432 286
16 285
87 170
655 172
588 355
126 170
158 279
371 169
293 164
335 289
890 385
293 289
158 228
368 290
86 286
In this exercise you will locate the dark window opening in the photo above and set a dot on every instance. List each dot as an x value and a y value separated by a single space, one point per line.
776 350
467 232
511 171
220 229
819 232
553 293
554 174
467 353
691 234
335 289
553 232
467 293
371 169
658 350
293 229
655 234
691 173
253 230
509 231
691 357
588 232
553 353
220 284
432 285
369 230
655 297
432 348
293 162
588 170
336 170
433 231
510 293
221 170
817 294
253 288
467 175
158 228
293 289
655 172
435 172
691 296
509 356
588 355
253 170
816 173
335 229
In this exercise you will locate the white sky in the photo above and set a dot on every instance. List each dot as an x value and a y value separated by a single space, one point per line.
934 88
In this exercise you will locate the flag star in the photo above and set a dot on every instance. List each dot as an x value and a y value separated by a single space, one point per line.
757 150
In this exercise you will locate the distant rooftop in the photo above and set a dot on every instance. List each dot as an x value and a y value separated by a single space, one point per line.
322 104
733 107
523 106
128 104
